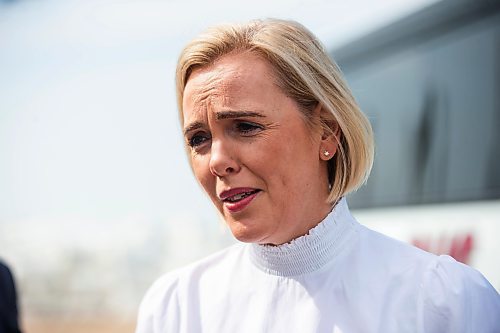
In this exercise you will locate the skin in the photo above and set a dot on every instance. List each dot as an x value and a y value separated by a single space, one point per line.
244 132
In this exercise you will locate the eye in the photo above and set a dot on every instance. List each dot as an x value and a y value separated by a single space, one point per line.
247 128
198 139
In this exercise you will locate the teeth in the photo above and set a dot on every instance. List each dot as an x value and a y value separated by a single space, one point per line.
239 196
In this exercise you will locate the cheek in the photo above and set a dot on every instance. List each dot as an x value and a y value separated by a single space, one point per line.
202 174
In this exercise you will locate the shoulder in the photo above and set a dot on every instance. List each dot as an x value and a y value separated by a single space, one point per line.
457 298
166 284
430 271
447 296
5 273
167 294
392 254
7 288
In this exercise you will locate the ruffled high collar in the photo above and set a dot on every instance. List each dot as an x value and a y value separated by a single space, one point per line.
309 252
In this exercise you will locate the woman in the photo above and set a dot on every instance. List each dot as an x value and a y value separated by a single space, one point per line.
276 140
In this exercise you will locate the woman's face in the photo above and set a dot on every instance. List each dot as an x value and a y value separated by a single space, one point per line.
252 152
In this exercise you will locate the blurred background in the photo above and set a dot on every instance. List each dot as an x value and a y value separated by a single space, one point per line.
96 196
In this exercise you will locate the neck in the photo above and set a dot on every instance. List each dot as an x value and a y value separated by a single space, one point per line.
303 227
310 252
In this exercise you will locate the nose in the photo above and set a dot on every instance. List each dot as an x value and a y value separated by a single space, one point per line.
222 160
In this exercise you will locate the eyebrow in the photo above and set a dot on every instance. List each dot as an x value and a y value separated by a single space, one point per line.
237 114
193 126
223 115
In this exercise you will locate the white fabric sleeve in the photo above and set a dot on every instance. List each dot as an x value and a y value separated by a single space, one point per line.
456 298
156 307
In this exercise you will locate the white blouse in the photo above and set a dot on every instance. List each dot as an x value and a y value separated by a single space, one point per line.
340 277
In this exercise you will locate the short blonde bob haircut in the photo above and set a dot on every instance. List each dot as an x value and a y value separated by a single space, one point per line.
304 72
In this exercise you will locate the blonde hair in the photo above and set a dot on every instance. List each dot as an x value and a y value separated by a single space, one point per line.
304 72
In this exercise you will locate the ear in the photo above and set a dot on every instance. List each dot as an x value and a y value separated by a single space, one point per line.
330 140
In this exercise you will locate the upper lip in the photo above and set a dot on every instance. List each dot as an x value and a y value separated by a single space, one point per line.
234 191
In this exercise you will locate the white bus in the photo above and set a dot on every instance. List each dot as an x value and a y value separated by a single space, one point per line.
430 84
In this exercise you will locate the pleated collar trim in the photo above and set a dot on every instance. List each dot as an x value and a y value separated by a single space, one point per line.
310 252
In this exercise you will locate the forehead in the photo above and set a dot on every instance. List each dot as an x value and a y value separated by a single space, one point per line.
232 66
230 75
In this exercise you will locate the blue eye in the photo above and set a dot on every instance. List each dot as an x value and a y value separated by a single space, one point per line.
247 127
197 140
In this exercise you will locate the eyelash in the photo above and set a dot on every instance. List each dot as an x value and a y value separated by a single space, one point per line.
247 128
192 141
243 128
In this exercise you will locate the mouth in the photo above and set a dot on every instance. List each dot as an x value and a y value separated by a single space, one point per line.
239 196
238 199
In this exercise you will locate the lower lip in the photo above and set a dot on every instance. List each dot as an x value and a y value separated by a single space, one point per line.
238 206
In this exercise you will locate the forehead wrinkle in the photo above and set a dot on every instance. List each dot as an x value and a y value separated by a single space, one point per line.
213 88
207 90
219 80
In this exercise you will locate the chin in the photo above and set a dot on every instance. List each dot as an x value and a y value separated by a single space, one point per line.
247 234
245 237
